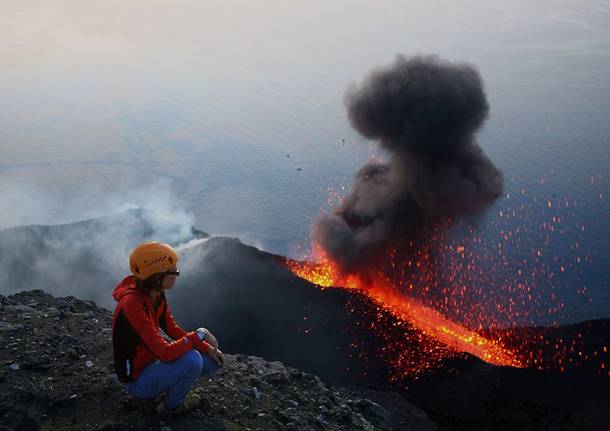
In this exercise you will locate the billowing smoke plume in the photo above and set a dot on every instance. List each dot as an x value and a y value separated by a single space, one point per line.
425 112
87 258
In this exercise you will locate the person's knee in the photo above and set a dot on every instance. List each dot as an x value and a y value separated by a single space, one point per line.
193 362
210 367
210 371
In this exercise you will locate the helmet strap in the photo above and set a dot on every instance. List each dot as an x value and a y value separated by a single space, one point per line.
159 283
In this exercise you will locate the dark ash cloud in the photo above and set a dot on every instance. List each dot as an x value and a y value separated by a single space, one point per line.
425 112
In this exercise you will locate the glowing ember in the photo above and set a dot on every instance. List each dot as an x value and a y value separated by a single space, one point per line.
425 319
496 290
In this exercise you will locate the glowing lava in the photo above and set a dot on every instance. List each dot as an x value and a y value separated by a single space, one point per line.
423 318
497 290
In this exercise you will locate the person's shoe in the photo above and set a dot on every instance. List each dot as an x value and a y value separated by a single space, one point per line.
191 401
166 414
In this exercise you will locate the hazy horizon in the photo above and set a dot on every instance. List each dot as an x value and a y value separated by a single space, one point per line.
232 112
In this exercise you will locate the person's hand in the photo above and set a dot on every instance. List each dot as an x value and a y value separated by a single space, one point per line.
206 348
208 337
216 355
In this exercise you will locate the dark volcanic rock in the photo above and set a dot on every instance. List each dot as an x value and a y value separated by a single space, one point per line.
253 304
475 395
57 373
256 306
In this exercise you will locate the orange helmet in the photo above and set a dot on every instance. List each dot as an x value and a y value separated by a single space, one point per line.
150 258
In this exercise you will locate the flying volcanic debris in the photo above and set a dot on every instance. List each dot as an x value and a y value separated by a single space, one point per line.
425 112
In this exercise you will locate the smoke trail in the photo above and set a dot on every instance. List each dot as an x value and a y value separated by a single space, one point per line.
86 258
425 112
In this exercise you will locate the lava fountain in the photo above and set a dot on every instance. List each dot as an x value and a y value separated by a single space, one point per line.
425 319
391 227
405 235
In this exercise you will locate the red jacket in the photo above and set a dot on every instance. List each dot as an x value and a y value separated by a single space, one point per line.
136 340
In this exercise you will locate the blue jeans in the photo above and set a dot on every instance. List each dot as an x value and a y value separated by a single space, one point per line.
175 377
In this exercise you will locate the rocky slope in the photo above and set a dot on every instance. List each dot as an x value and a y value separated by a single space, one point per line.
256 306
57 373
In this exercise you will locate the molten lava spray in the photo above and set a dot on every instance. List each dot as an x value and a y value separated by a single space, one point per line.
404 236
385 233
404 308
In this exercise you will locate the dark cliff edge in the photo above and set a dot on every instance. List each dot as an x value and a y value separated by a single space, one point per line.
57 373
56 369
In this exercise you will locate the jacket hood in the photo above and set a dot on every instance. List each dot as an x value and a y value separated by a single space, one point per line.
126 287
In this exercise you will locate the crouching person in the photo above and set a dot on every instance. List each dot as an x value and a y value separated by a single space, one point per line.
144 361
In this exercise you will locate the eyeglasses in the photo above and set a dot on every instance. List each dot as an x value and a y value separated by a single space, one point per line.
176 273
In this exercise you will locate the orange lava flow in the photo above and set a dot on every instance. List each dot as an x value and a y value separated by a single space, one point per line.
425 319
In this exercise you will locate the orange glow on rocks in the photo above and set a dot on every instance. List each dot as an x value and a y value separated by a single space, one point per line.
424 319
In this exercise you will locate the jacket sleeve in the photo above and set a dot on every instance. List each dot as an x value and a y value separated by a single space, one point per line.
202 346
169 325
141 321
